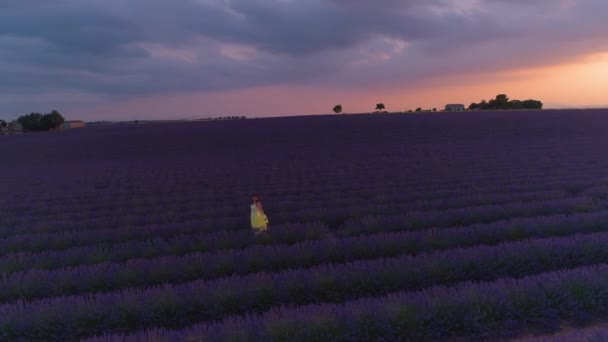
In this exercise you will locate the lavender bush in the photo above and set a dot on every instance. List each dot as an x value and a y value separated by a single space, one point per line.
175 305
137 272
473 310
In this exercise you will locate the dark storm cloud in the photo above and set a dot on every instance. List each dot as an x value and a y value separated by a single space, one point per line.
125 48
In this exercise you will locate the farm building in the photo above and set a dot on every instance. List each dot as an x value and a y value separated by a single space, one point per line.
73 124
454 108
10 128
15 126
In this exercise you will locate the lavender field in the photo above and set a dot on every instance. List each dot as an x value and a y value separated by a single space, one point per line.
480 225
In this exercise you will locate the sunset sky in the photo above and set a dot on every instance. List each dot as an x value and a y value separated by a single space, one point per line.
159 59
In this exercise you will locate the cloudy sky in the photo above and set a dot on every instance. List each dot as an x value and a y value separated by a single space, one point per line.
135 59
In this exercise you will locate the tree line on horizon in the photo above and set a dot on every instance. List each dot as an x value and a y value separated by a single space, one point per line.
36 122
224 118
501 102
380 108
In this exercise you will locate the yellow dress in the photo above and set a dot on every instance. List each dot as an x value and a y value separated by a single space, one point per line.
259 221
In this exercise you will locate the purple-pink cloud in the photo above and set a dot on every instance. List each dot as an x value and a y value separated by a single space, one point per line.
111 50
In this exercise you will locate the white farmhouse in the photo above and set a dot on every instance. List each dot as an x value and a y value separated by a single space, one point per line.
15 127
455 108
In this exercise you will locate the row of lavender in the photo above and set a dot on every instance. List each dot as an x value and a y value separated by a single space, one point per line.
594 333
186 178
290 209
339 184
505 308
257 255
37 241
177 305
183 244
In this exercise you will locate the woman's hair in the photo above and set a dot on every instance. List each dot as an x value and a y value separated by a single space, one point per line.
257 196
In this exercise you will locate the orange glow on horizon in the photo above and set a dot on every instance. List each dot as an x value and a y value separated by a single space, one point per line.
578 84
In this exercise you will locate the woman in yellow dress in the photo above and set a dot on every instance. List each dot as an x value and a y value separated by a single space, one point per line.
259 221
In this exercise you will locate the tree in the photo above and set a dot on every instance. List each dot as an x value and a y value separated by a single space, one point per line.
51 121
37 122
532 104
31 122
502 102
434 109
419 109
380 107
515 104
337 109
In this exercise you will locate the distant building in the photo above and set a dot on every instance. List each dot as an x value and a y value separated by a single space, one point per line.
15 127
73 124
455 108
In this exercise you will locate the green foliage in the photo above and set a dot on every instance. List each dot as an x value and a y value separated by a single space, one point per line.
31 122
516 104
532 104
502 102
52 120
419 109
337 109
380 107
37 122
